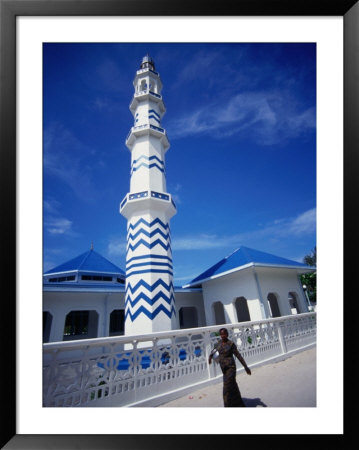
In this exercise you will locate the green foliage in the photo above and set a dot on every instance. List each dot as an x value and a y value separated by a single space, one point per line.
311 258
310 280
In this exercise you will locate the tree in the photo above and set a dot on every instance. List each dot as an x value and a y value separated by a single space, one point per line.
310 279
311 259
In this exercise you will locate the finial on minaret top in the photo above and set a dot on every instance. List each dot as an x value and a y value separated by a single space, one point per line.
147 62
91 246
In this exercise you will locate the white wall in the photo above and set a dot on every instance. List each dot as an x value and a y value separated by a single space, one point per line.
281 282
195 299
59 304
226 289
243 284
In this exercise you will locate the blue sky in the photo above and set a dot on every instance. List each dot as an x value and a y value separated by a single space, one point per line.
241 121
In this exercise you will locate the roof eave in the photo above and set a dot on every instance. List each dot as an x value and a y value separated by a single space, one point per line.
300 269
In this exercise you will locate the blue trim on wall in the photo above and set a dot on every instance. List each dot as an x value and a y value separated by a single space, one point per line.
160 195
138 195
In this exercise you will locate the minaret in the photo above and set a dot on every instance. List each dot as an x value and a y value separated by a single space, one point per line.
149 303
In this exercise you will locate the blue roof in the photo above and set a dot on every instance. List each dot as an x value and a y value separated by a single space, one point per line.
90 261
245 256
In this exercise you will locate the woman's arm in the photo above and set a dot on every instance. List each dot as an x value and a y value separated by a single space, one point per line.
241 360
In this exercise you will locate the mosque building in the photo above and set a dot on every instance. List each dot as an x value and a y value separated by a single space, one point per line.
89 296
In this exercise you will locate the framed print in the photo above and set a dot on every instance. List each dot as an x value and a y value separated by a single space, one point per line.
26 29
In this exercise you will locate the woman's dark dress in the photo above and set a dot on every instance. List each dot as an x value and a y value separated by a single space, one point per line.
231 394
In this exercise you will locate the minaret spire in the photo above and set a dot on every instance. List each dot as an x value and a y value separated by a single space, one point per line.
148 207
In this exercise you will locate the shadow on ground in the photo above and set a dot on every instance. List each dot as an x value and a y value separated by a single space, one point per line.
253 402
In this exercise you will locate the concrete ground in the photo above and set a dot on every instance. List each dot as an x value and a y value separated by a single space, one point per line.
289 382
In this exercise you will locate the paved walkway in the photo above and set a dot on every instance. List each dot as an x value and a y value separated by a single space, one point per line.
289 382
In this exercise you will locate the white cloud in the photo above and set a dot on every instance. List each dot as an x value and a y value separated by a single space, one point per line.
58 225
270 115
301 225
117 246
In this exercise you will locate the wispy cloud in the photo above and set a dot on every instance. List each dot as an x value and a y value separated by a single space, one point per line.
51 206
267 117
117 246
303 224
58 225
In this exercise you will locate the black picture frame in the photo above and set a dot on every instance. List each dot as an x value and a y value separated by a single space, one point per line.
9 10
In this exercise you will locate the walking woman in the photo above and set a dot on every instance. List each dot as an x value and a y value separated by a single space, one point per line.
226 349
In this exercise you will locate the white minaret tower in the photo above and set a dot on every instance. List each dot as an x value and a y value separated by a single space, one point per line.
149 303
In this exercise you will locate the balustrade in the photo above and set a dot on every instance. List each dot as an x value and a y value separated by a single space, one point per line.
117 371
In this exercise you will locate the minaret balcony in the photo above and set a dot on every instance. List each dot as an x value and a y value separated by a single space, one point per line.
147 200
145 130
147 69
147 95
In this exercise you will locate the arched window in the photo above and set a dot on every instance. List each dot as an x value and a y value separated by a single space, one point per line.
81 325
293 302
143 85
46 326
242 310
117 322
188 317
218 311
273 305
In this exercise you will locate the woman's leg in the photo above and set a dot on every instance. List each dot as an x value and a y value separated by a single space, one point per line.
231 394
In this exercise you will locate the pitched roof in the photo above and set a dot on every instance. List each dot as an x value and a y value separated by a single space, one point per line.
244 257
89 261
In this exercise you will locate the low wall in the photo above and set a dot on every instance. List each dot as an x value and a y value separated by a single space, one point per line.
147 370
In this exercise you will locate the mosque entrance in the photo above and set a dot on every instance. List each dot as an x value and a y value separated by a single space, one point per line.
81 325
293 302
218 311
188 317
273 305
242 310
46 326
117 322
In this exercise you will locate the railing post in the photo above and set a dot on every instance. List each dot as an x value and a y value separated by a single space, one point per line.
208 348
281 338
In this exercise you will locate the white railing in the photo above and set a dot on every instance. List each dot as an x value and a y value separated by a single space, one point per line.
146 369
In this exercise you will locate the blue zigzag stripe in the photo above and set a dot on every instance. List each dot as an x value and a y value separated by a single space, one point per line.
155 118
149 263
148 256
151 302
147 159
139 272
148 234
150 246
151 166
149 287
154 112
149 224
151 316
